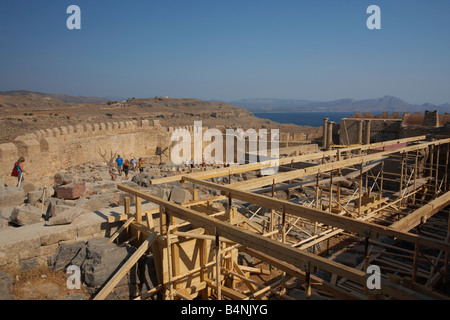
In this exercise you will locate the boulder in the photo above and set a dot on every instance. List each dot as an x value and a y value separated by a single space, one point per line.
6 212
179 195
62 178
11 197
27 187
54 208
102 261
67 254
25 215
34 196
64 217
99 201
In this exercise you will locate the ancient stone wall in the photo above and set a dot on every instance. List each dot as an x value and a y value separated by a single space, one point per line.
48 151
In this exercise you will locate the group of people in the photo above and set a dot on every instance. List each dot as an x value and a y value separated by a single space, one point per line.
125 166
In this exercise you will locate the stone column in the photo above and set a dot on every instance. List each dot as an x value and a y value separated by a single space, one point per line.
325 125
367 140
330 135
360 132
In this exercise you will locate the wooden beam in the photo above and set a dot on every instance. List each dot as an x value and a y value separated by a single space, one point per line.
126 267
363 228
415 218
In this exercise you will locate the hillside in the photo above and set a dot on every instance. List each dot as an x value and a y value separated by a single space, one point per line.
386 103
26 111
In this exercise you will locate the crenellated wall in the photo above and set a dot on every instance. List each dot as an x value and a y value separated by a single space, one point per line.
48 151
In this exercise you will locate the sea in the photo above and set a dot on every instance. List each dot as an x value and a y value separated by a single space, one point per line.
314 119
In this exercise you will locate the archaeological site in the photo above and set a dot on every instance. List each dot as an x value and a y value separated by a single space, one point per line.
356 210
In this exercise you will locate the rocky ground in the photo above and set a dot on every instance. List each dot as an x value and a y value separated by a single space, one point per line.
97 259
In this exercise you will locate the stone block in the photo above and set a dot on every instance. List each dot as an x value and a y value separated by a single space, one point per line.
25 215
27 187
179 195
8 154
34 196
67 253
49 144
64 217
55 234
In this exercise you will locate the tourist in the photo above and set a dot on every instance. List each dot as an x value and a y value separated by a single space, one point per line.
126 167
141 165
111 169
119 162
134 163
18 170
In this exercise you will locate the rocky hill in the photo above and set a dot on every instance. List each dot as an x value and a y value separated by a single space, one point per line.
25 111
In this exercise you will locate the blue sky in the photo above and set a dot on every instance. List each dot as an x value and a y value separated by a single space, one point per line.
216 49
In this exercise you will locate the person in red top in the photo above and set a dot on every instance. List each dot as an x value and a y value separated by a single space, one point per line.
20 170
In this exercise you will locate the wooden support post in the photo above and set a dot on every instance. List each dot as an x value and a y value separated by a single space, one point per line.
330 201
308 281
431 160
272 211
415 175
203 272
163 229
437 170
317 191
401 179
138 210
366 260
446 168
218 273
360 189
445 273
138 216
169 264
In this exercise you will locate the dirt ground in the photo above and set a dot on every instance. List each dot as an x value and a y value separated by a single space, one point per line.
44 284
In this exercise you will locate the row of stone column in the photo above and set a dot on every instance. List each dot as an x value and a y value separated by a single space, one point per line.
367 131
328 132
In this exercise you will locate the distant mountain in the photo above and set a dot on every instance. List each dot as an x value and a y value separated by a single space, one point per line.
61 97
386 103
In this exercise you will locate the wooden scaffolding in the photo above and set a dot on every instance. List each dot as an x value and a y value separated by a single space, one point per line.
390 189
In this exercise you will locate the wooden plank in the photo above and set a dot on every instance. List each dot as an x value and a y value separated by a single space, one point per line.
125 267
415 218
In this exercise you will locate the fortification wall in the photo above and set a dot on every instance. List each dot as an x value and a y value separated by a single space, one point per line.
48 151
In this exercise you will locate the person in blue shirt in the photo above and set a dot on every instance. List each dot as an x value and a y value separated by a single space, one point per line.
119 162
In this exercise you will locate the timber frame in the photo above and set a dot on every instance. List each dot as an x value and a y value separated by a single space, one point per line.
195 245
